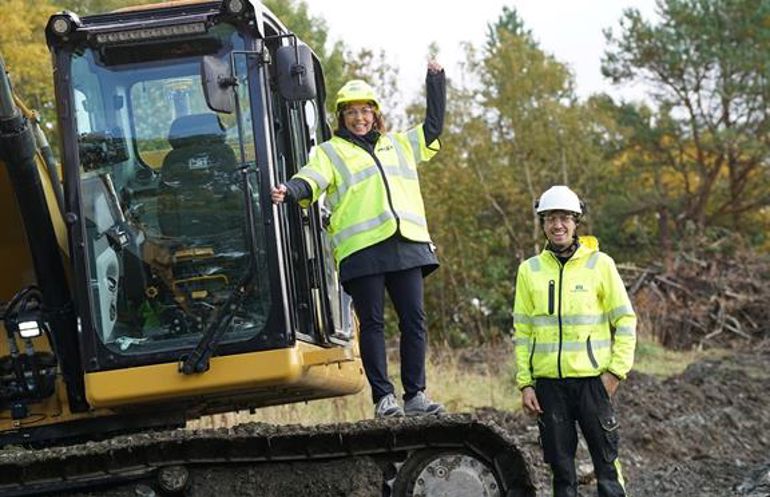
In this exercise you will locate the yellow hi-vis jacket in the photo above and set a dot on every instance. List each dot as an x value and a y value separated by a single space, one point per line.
572 320
370 197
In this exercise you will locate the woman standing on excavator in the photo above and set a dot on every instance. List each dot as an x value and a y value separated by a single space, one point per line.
378 228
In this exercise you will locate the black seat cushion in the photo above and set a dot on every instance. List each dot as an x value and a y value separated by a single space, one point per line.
201 196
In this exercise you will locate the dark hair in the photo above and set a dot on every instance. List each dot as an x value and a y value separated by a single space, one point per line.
379 120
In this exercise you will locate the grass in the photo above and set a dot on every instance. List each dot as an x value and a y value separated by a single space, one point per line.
653 359
462 379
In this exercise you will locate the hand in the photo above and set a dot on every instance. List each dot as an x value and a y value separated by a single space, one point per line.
278 194
610 382
529 402
434 67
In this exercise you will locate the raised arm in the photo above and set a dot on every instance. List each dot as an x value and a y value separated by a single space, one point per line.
435 89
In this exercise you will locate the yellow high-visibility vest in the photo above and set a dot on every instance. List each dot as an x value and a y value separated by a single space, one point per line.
370 199
572 320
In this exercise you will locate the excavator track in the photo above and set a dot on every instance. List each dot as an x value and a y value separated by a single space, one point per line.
458 451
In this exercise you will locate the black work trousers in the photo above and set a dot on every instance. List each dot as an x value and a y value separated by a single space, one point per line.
583 401
406 292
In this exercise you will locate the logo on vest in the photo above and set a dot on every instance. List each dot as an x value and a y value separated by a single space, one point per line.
385 148
579 289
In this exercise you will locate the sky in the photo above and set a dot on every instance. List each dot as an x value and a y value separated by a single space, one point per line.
570 30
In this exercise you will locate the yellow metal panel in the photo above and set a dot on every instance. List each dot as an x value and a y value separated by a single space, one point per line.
15 260
53 207
165 382
330 372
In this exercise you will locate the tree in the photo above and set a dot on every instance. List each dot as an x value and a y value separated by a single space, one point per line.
22 44
314 31
708 66
339 62
505 141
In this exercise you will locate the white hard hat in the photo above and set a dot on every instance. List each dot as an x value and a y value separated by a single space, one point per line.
559 198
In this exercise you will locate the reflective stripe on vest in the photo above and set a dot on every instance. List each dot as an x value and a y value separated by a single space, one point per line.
567 320
550 348
625 331
521 341
414 140
372 194
412 218
620 311
591 264
349 179
361 227
315 176
534 264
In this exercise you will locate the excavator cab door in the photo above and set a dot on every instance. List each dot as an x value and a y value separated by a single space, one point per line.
169 154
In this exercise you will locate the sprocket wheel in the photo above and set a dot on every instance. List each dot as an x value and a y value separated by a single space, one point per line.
442 473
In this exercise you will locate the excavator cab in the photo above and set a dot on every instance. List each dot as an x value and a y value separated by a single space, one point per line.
183 290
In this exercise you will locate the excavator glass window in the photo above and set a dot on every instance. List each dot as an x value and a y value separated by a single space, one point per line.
169 247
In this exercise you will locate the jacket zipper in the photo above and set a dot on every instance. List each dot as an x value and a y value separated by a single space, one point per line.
385 182
561 329
551 297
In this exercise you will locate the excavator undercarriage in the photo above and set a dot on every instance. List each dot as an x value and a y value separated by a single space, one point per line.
452 455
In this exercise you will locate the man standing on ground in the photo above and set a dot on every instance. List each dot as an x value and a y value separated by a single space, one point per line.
575 333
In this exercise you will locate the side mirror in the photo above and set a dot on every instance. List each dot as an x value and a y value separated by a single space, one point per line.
102 148
218 84
296 75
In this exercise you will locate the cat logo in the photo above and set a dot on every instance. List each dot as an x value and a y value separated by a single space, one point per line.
198 162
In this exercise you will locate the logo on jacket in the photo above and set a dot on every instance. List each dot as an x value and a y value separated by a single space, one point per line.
385 148
579 289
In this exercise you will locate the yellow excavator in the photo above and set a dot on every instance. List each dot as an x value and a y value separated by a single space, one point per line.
149 280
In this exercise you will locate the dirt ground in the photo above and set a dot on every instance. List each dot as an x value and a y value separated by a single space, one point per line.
704 433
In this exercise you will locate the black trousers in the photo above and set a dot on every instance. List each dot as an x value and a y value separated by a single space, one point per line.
583 401
406 292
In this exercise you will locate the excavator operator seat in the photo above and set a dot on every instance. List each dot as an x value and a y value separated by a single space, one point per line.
201 197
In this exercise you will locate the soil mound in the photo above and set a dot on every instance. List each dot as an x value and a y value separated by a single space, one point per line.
703 433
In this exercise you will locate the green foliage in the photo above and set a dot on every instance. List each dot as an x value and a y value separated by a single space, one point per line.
315 33
702 156
339 62
22 44
504 143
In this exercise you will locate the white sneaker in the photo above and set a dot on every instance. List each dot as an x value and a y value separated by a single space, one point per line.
420 405
387 407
